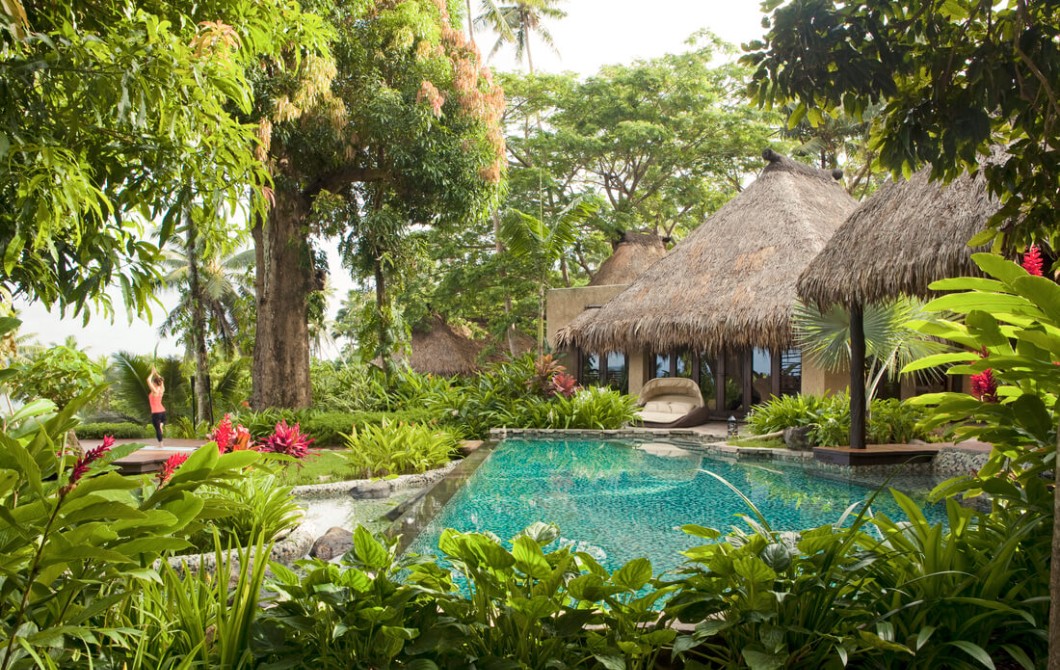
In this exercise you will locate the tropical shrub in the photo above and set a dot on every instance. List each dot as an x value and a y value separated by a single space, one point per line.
285 440
890 420
58 373
527 608
398 449
594 408
342 386
97 431
252 506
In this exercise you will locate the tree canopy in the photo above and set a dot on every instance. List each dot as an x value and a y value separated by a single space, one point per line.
108 111
953 78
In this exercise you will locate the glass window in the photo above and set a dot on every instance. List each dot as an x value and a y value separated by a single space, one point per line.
761 376
590 372
618 371
791 372
662 365
684 364
734 383
706 380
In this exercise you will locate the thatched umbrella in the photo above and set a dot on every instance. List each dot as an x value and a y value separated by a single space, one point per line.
633 254
731 283
907 235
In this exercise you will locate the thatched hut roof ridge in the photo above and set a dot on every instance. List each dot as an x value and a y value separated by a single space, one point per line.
731 282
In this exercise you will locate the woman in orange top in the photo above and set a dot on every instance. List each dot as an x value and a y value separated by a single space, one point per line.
158 412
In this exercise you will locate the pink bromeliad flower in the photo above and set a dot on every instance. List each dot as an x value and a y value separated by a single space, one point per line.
1032 260
984 386
169 467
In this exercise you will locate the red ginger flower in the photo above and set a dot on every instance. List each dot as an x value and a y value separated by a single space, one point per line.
224 434
984 386
87 459
169 467
289 440
1032 260
564 385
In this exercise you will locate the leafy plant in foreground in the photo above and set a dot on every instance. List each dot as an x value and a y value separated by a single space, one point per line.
400 448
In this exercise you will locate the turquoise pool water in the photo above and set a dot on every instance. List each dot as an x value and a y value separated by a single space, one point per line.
618 501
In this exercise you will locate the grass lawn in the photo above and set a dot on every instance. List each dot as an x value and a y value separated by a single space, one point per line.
758 443
320 467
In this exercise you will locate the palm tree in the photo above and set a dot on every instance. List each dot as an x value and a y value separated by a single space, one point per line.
515 23
223 283
527 235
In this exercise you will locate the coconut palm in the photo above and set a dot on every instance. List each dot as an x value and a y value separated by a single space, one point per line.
889 343
223 283
515 23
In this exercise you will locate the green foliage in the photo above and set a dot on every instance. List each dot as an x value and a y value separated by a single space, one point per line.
237 514
97 431
1013 318
786 411
191 616
526 606
340 386
890 343
952 79
88 89
890 421
890 596
398 449
59 374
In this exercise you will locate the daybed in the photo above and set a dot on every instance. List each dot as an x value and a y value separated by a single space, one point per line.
672 402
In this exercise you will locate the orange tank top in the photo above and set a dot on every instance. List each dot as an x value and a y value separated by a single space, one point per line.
156 403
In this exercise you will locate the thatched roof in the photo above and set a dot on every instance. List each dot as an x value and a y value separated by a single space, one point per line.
442 349
904 237
731 283
633 254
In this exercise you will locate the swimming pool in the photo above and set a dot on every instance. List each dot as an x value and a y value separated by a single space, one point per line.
621 500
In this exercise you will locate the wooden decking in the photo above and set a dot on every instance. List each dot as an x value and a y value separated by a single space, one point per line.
146 460
877 454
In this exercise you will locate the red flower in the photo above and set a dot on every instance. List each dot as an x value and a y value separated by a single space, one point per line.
287 440
223 434
242 439
984 386
169 467
1032 260
564 384
87 459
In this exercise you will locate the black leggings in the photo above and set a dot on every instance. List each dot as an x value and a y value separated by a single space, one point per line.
157 419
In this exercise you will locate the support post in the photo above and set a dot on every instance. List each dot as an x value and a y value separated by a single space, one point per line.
857 377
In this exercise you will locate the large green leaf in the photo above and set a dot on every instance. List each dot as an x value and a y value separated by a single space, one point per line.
634 575
369 550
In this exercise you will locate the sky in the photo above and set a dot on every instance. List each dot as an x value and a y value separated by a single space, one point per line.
594 33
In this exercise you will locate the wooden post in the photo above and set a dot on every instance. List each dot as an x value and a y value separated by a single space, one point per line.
857 377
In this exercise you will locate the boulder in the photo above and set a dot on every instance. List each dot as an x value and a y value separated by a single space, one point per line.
332 544
798 438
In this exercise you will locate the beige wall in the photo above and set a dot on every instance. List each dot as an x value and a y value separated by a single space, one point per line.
637 363
562 305
816 381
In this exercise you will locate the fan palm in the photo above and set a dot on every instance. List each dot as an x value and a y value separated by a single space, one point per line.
516 22
128 378
889 343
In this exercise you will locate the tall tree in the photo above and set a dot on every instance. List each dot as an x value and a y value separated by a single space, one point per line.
401 125
107 112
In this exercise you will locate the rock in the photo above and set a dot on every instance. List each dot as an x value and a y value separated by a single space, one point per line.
377 488
798 439
336 542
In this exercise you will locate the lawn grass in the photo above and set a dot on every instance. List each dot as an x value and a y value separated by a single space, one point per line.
321 466
757 442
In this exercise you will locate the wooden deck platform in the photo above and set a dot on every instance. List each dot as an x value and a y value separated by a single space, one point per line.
878 454
146 460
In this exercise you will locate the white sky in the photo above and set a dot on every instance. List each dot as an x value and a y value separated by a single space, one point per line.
594 33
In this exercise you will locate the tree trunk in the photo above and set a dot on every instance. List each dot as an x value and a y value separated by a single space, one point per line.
498 247
470 25
857 377
283 281
1054 571
203 406
384 322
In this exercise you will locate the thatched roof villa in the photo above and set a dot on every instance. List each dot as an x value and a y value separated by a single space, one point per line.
445 349
907 235
718 307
